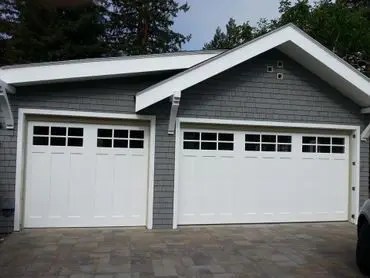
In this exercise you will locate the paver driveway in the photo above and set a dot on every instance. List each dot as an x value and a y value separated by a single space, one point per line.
288 250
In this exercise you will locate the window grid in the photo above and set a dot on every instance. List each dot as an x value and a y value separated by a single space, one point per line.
199 143
323 144
57 140
121 138
268 142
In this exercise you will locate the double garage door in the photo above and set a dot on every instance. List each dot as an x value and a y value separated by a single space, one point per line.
85 175
253 176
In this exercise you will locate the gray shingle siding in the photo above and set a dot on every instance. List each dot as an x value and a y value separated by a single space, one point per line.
246 92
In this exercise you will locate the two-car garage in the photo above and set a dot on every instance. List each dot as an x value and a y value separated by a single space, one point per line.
98 173
254 175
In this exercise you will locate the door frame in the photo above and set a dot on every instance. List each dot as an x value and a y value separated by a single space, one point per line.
24 114
354 145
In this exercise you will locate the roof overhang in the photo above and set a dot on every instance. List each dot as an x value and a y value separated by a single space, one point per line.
290 40
101 68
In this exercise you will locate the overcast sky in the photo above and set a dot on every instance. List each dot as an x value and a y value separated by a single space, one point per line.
204 16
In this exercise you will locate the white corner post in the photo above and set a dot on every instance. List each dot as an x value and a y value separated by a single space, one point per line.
175 101
5 108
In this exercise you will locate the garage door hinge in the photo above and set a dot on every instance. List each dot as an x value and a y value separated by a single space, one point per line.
353 188
354 163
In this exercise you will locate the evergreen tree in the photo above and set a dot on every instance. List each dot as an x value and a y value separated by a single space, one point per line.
144 27
234 35
39 34
52 30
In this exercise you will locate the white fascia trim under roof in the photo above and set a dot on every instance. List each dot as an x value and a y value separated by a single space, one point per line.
231 58
100 68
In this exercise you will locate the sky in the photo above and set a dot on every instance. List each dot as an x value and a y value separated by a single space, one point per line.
205 16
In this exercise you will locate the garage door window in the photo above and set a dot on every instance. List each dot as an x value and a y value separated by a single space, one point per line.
323 144
268 143
57 136
120 138
208 141
40 136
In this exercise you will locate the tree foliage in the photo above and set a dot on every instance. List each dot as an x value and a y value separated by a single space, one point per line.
144 27
31 31
234 35
343 27
39 34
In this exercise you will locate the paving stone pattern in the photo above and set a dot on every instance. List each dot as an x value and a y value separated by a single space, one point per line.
287 250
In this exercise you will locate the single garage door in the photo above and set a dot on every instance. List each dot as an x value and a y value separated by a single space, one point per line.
253 177
86 175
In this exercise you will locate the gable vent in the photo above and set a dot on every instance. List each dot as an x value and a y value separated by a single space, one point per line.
280 64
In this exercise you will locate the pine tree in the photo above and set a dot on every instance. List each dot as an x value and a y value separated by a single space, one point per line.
35 33
234 36
144 27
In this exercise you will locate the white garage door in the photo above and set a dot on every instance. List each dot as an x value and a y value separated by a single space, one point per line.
252 176
85 175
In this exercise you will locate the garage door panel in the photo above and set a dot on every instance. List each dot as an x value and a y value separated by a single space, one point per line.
121 201
326 183
104 185
77 205
264 177
58 190
129 186
35 209
87 175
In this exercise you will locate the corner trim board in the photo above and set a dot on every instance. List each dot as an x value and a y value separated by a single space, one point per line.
21 154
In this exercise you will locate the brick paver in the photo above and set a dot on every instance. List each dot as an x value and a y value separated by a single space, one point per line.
287 250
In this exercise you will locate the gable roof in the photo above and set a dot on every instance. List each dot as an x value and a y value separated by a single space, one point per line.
86 69
290 40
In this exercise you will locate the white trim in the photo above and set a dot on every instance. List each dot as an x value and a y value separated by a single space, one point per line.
176 174
100 68
266 123
355 147
21 148
349 81
357 174
70 113
151 173
19 171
